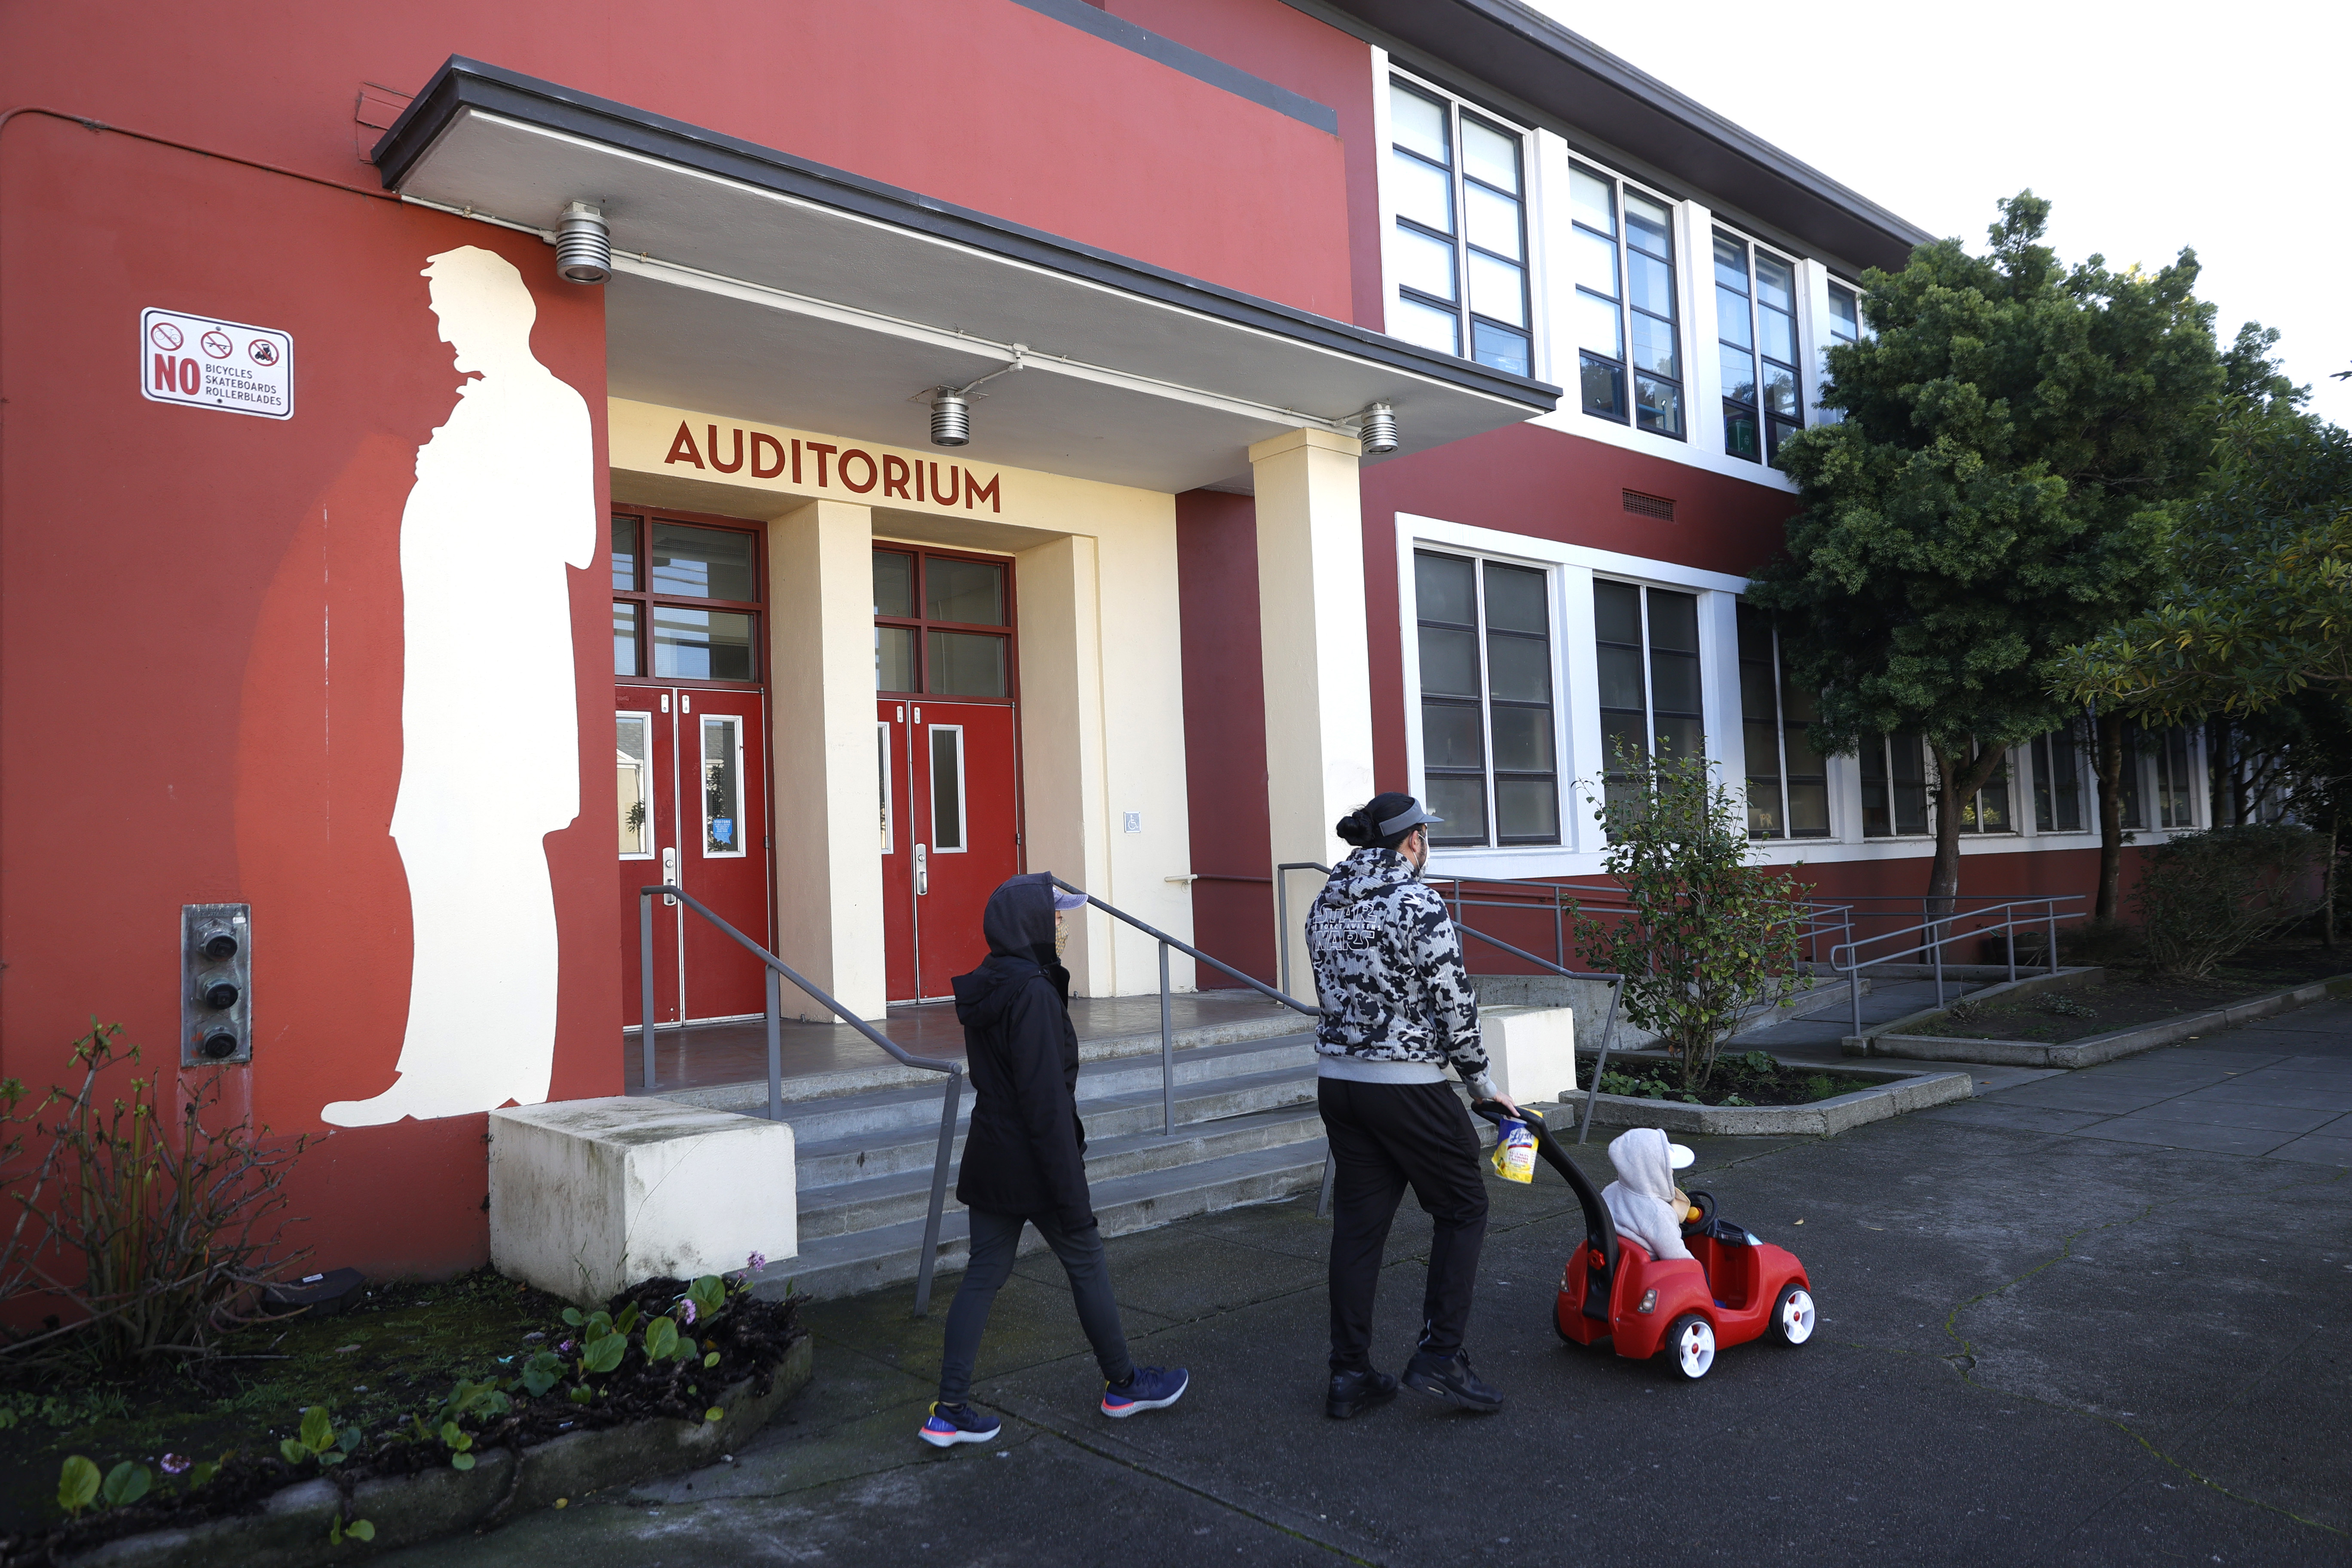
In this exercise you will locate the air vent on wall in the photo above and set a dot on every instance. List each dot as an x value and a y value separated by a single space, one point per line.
1641 505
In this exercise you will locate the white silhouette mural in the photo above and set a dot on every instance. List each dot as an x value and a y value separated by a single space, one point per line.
504 501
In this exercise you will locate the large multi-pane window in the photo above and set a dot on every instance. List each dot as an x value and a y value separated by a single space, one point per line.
935 620
2176 779
685 601
1458 253
1894 787
1987 811
1755 326
1487 748
1844 327
1646 653
1788 784
2058 783
1629 359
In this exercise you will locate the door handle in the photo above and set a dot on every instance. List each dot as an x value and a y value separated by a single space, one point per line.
670 873
922 870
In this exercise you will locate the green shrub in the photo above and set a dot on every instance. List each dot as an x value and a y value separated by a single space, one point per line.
2204 896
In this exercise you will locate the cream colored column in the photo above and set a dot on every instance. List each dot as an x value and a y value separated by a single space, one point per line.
1316 670
1062 765
828 801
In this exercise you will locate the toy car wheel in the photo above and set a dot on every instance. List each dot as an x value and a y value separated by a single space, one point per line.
1691 1342
1793 1316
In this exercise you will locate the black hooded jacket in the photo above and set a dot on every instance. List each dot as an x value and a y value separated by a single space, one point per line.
1025 1151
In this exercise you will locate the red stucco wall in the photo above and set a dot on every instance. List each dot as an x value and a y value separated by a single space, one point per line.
1225 731
201 645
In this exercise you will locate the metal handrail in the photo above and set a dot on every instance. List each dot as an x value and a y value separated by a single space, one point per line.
2048 918
1282 913
1167 1031
1608 1027
952 1102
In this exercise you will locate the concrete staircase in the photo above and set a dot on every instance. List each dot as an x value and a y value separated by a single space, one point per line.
1247 1132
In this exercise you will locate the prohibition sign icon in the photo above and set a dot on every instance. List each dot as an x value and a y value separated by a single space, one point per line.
218 344
166 336
263 350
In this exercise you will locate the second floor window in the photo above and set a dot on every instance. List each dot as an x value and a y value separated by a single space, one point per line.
1629 363
1845 327
1486 699
1458 253
1756 321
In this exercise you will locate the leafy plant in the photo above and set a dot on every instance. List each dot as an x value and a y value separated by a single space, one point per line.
156 1230
78 1483
81 1486
358 1529
1704 935
2204 896
319 1440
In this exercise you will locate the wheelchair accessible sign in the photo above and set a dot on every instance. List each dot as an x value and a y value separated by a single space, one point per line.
223 365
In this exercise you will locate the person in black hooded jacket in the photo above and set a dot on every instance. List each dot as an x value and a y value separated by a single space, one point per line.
1024 1157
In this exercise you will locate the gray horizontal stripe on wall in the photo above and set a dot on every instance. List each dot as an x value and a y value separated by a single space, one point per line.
1191 62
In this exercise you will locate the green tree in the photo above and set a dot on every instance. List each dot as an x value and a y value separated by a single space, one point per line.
2018 438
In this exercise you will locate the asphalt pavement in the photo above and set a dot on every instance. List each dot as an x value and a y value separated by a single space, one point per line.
2096 1317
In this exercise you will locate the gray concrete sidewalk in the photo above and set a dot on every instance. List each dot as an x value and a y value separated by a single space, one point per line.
2059 1325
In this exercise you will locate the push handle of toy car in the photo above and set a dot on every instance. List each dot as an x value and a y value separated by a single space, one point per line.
1600 1231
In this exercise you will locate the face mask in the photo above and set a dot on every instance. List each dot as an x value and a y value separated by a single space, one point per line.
1061 939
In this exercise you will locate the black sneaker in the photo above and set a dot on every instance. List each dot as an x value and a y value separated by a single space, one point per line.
1450 1379
1355 1391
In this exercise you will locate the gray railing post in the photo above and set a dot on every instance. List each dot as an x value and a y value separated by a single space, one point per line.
775 1047
2051 906
2009 928
646 983
1167 1054
1282 928
1608 1027
949 1104
1936 946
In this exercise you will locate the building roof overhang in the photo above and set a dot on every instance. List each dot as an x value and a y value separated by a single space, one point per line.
750 282
1524 53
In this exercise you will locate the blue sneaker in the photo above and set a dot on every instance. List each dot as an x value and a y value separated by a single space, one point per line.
1151 1388
951 1423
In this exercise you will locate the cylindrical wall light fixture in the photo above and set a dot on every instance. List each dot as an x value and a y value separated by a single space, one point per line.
583 246
1378 430
950 418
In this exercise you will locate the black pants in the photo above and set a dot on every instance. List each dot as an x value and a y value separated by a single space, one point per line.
1384 1138
995 1238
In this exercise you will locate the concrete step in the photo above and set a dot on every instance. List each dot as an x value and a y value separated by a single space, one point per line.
885 1073
890 1114
874 1203
858 1261
832 1161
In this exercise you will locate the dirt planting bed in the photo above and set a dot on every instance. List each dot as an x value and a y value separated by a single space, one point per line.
2127 999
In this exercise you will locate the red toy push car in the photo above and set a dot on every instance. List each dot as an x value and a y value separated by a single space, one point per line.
1733 1289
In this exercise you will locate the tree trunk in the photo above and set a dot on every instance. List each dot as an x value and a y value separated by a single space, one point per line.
1957 783
2328 883
2107 765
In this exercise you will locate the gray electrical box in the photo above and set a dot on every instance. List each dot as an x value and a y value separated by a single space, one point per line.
215 984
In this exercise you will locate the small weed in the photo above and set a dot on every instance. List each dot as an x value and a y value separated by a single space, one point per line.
2062 1006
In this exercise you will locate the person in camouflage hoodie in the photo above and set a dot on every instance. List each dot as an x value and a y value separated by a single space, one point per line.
1398 1009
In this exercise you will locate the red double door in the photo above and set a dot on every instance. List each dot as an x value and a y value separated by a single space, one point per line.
950 833
693 785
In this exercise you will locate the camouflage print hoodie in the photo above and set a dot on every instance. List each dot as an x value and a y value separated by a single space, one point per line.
1397 1003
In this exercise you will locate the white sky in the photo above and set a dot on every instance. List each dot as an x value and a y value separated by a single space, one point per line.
2147 127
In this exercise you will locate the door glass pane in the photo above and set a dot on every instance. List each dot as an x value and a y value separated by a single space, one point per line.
633 760
1493 221
894 585
702 562
894 659
722 786
1442 589
882 776
965 664
947 789
971 592
1417 122
624 554
703 644
1488 154
624 639
1421 263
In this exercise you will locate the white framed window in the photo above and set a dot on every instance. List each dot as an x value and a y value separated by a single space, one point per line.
723 829
2177 775
1894 787
2059 796
635 761
947 790
1988 811
1629 352
1788 781
1489 719
1457 245
1755 332
1845 325
1646 654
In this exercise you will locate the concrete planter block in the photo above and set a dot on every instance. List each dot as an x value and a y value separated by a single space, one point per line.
589 1196
1531 1051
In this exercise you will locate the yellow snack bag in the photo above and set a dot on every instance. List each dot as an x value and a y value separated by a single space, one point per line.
1515 1153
